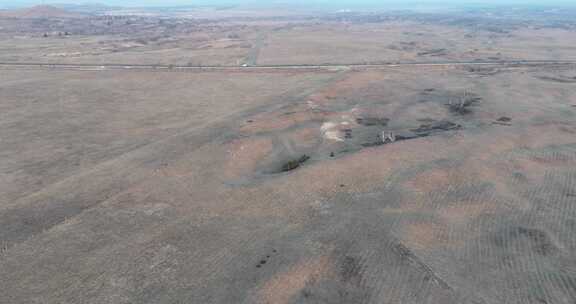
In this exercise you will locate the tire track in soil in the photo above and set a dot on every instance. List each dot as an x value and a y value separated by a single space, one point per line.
513 267
508 243
483 251
549 217
553 207
534 260
399 283
517 216
378 276
432 203
112 181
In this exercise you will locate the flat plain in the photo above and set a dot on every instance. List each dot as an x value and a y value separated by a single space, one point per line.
390 184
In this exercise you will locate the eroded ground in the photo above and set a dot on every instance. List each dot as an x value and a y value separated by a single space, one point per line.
397 185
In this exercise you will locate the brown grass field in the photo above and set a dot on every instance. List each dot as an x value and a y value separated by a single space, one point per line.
391 185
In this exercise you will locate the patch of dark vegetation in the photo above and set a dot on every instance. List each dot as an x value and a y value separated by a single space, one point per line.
458 103
404 46
373 144
435 127
306 293
408 256
372 121
560 79
347 285
519 176
350 269
423 130
294 164
539 240
482 71
264 260
348 133
461 104
503 121
426 120
402 251
433 52
403 136
541 300
542 243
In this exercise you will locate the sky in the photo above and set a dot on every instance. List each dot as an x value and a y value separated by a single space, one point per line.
330 3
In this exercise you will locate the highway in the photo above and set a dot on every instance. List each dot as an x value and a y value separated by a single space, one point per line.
107 67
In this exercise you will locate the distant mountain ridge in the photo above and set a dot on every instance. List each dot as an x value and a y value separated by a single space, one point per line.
41 11
89 8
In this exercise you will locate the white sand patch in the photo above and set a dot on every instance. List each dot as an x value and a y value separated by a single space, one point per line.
330 131
347 117
334 135
311 104
327 126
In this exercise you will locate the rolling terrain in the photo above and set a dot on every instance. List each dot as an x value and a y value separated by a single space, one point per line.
396 183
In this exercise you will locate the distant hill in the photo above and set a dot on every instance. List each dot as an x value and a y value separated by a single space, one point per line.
41 11
87 8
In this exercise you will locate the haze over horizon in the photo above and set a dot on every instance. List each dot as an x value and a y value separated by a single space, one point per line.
301 3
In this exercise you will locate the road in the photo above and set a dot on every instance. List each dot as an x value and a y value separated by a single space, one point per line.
105 67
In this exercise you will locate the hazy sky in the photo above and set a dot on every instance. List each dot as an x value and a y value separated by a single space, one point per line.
332 3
